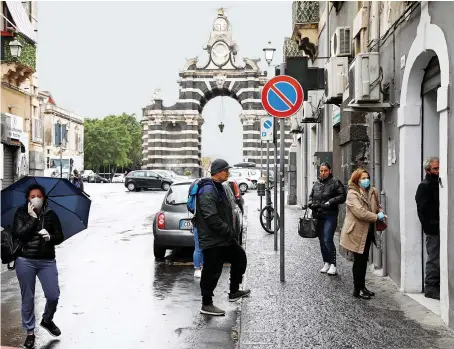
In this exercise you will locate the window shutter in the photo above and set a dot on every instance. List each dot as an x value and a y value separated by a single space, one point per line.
63 135
57 134
41 130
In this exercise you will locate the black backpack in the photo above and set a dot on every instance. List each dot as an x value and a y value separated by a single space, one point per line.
10 248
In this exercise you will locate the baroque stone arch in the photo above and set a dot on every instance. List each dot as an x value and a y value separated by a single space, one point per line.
222 75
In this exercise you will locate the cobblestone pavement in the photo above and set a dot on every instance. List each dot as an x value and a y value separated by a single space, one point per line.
314 310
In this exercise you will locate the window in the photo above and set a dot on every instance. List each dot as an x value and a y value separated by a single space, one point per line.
152 174
138 174
37 129
178 194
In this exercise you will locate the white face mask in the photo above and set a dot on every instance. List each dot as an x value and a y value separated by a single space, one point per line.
37 203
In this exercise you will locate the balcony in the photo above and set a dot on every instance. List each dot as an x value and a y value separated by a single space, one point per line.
305 19
16 70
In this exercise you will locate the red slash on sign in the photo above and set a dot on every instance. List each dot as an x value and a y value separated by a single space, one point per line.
282 96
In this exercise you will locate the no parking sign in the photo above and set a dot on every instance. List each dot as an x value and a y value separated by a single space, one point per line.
282 96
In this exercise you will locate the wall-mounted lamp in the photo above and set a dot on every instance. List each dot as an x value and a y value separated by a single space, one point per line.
15 48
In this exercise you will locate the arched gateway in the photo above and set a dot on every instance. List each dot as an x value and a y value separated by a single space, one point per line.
172 135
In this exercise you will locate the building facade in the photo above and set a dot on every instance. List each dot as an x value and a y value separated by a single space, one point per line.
387 120
21 151
63 137
172 135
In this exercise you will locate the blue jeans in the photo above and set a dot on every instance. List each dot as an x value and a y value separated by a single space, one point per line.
46 270
326 227
198 253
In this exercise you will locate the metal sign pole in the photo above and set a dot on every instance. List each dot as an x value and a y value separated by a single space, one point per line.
268 194
275 182
282 198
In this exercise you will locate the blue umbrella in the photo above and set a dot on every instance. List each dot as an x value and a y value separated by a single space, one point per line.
71 204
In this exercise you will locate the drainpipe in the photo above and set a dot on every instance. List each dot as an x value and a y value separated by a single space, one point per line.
328 54
377 133
384 238
304 167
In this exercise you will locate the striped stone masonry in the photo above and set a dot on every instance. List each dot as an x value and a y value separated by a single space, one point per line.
172 136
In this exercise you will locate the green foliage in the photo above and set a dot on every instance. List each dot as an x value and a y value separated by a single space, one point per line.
115 140
187 173
28 54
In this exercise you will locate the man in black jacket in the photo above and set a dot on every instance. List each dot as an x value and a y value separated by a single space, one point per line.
214 221
428 204
326 196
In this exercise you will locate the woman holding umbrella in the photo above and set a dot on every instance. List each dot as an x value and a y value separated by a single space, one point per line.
38 228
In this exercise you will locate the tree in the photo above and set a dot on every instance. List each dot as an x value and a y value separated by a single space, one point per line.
206 164
115 141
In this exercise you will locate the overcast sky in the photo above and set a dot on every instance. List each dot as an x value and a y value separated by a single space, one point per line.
101 58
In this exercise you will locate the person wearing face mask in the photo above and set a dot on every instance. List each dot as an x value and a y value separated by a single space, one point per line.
358 230
38 228
326 196
428 204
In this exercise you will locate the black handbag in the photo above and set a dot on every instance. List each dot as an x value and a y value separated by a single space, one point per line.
307 227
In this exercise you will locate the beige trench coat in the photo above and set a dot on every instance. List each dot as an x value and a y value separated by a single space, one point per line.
360 212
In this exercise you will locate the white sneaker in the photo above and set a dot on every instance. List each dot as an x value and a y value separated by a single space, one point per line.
332 270
325 268
198 273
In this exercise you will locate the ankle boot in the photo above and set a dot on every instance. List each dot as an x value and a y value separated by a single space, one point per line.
366 291
360 294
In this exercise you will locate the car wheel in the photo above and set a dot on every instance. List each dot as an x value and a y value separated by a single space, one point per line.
131 186
159 252
165 186
243 187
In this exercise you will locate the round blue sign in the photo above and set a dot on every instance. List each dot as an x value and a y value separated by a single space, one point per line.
267 124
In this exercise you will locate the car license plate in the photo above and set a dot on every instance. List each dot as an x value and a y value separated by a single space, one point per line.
185 225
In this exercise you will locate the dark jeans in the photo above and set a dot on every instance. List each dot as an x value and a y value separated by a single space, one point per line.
360 263
213 261
27 270
326 227
432 281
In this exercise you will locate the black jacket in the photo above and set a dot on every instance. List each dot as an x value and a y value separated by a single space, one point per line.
428 204
78 180
214 216
327 190
26 228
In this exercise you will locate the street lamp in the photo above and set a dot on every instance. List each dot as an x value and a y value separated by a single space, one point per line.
15 48
221 127
269 53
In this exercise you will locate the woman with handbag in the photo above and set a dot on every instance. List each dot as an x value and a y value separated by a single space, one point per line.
39 230
363 212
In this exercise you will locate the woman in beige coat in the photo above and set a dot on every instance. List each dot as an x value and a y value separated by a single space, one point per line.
358 230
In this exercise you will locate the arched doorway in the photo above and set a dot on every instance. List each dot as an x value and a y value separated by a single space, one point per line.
417 96
222 75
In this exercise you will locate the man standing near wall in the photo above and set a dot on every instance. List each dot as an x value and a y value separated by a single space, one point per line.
428 203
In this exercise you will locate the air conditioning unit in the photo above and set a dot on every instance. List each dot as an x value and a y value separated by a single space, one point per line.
364 78
341 42
336 70
312 104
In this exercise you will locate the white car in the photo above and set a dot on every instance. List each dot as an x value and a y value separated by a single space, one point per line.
244 182
252 173
118 178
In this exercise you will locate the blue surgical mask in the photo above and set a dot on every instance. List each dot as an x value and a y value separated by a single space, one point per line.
365 183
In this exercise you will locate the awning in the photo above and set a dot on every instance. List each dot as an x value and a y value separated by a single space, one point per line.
21 19
12 142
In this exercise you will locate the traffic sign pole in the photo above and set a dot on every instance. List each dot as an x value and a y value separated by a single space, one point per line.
282 200
282 96
276 177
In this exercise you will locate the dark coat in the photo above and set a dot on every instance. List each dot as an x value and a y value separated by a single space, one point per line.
78 179
428 204
214 216
327 190
26 228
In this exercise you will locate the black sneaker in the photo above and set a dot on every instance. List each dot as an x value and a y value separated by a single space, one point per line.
29 341
51 328
233 297
211 310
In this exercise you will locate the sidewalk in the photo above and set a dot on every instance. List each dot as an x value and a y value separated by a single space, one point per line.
313 310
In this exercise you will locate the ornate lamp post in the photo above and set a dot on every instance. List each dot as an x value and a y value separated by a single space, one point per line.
221 127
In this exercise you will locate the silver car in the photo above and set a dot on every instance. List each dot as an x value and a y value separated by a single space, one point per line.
172 225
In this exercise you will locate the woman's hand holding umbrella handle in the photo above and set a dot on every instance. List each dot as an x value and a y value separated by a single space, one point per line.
31 211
